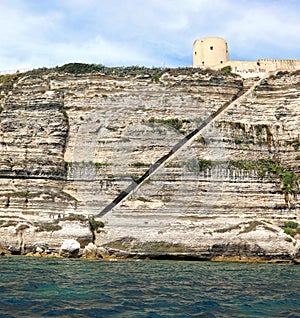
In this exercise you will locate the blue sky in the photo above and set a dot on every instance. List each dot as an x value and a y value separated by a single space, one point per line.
37 33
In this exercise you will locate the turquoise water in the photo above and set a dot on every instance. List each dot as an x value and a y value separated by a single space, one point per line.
34 287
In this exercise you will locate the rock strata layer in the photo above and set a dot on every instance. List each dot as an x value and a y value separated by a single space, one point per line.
70 143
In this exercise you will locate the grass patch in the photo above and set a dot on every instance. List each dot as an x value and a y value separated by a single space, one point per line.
289 231
86 164
74 217
138 164
198 165
291 228
64 112
48 227
172 122
101 164
289 180
21 194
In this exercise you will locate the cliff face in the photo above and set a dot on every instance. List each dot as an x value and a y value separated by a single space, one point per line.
71 143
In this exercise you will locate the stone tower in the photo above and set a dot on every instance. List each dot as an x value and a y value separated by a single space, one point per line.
210 51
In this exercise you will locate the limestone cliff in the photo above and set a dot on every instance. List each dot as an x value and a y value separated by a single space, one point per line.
70 143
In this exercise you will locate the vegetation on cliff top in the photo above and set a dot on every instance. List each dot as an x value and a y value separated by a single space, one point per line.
7 81
153 73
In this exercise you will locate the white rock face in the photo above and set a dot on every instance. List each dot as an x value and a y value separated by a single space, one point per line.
93 251
69 144
69 248
39 250
70 245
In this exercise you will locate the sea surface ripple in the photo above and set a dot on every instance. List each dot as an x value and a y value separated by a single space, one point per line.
36 287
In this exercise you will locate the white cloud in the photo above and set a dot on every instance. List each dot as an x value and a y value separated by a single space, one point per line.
152 32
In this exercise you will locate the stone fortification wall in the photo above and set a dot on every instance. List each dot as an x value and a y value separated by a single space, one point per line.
212 52
271 65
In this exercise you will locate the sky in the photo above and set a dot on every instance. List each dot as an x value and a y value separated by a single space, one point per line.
153 33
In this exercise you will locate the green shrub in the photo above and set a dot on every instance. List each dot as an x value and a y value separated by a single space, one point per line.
225 70
156 77
198 165
95 225
21 194
289 180
289 231
80 68
201 140
64 112
291 224
101 164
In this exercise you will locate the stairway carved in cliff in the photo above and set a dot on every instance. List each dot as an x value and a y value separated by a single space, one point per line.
188 139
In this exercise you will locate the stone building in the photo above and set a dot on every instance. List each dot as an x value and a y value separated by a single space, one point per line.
212 52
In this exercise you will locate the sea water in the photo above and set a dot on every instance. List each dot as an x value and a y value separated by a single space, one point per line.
41 287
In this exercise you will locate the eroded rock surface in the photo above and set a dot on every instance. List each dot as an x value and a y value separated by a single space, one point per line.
70 143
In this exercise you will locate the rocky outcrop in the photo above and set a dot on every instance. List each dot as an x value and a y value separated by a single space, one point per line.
71 143
69 248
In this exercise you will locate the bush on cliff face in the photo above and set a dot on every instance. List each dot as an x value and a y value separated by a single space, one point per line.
291 224
225 70
172 122
95 225
291 228
290 182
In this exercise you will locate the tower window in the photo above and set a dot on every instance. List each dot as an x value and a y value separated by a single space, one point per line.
211 48
221 62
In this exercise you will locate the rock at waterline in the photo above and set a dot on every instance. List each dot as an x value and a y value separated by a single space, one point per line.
69 248
92 251
39 250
